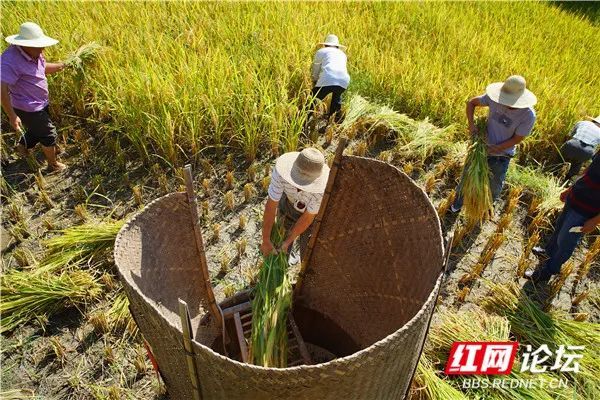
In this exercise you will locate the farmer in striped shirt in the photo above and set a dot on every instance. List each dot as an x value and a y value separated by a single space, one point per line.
581 215
295 193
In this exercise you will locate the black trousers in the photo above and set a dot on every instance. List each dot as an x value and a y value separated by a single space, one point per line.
576 152
320 92
38 128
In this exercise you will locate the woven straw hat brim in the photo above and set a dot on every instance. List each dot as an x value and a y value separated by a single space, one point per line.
524 100
341 46
283 166
44 41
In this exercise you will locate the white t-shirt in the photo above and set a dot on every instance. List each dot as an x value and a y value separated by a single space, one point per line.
588 132
329 68
301 200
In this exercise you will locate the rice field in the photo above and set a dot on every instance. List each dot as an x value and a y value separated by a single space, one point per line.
225 86
177 79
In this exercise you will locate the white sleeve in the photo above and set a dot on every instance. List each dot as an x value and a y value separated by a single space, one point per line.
316 66
314 204
276 186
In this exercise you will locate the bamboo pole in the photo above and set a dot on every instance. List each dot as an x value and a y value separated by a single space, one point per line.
186 329
214 308
317 223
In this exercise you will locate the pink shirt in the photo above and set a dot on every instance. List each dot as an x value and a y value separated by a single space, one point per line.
26 79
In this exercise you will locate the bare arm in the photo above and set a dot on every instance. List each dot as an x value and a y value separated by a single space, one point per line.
52 68
298 229
471 104
591 224
500 147
315 68
14 119
268 220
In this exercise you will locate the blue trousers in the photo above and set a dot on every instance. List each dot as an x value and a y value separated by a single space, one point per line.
498 167
562 244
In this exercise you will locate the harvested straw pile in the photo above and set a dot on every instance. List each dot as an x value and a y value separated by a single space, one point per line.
26 296
270 307
478 203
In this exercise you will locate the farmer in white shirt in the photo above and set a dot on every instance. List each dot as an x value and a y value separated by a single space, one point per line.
330 74
585 137
295 194
510 119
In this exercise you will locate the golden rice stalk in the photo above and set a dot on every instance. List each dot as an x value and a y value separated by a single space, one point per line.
81 212
504 222
83 55
429 179
461 231
229 162
522 265
229 180
445 204
224 261
408 168
206 185
478 204
531 242
216 230
249 192
580 297
266 181
229 200
386 156
361 148
559 281
537 222
586 264
241 247
580 317
251 172
138 195
534 205
243 221
462 294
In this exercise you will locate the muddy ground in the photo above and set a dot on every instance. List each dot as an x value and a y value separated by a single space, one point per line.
67 359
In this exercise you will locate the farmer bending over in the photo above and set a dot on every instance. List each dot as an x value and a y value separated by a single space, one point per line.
25 91
295 193
510 119
580 215
330 74
585 137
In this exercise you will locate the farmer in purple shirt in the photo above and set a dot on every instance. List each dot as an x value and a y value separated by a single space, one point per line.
510 119
25 90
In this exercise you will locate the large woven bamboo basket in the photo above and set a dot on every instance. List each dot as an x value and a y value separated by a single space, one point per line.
366 295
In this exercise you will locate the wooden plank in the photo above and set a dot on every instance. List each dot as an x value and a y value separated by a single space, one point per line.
300 342
240 337
187 335
238 308
305 258
214 308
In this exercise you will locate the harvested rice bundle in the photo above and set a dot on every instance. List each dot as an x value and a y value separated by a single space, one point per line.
80 245
270 307
26 296
530 324
478 204
83 55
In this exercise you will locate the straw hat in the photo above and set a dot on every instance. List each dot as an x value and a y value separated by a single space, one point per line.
305 170
31 35
511 92
332 40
